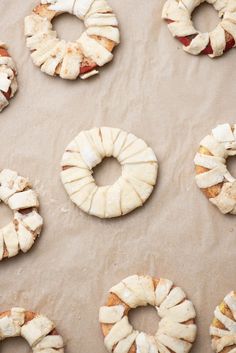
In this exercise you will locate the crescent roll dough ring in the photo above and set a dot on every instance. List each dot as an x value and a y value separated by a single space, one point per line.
222 38
21 232
36 329
131 190
213 176
177 329
223 327
8 83
80 58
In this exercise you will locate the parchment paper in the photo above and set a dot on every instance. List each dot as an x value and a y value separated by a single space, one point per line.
168 98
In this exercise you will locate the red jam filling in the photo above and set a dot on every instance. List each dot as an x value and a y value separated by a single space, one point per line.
4 52
208 50
85 69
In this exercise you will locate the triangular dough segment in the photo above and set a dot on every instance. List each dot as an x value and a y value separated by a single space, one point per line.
175 344
73 159
71 64
119 331
129 198
74 173
43 52
144 156
99 6
218 41
92 49
133 283
131 138
107 141
88 150
113 201
35 24
124 345
179 313
25 238
109 32
56 57
177 330
98 206
101 19
136 147
97 140
175 297
35 41
119 143
76 185
162 290
143 189
115 133
86 205
81 196
126 295
10 239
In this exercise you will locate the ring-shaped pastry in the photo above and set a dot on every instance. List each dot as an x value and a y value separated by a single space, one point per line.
21 232
36 329
178 14
131 190
72 59
177 329
213 177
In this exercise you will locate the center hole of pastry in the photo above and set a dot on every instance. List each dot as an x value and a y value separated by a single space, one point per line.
144 319
205 18
5 215
231 165
107 172
18 345
68 27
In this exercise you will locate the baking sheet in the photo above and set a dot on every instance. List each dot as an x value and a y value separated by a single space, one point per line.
168 98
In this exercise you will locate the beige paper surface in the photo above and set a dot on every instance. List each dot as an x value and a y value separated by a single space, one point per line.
171 100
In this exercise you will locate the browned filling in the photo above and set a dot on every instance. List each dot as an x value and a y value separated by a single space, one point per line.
113 300
4 52
214 190
26 210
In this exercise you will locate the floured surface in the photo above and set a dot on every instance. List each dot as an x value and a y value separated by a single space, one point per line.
171 100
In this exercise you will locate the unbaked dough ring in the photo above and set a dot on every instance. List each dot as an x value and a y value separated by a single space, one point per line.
223 327
72 59
222 38
131 190
21 232
36 329
177 330
213 176
8 73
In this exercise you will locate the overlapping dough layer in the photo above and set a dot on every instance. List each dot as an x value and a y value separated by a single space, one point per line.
177 329
36 329
213 176
72 59
8 73
223 327
20 234
223 37
131 190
